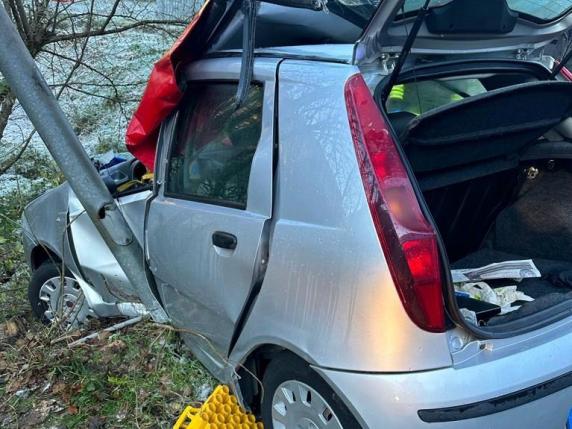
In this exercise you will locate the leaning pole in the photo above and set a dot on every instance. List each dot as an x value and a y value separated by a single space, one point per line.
27 83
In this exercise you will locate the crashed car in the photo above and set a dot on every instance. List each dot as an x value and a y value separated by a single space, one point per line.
305 220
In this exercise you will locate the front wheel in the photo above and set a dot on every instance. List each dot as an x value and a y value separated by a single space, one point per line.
296 397
57 298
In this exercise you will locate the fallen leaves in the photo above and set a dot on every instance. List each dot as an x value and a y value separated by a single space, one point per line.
9 329
113 347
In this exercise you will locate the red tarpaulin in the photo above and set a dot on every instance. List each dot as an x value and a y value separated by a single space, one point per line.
162 94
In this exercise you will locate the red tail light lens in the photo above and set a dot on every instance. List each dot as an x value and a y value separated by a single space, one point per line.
566 73
407 238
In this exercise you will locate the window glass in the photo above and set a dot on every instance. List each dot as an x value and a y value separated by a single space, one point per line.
363 8
420 97
214 144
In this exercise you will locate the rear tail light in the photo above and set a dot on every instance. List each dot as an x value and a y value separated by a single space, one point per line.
407 238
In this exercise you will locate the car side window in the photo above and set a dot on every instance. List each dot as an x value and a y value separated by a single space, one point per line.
215 144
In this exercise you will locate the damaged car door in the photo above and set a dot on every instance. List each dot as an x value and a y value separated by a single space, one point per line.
207 226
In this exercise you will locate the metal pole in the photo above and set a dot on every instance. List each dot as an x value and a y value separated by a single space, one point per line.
25 80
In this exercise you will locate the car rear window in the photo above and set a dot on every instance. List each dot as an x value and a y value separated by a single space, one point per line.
363 8
542 10
420 97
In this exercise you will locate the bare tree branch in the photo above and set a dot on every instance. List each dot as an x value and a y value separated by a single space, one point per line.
104 32
49 28
111 14
10 164
23 18
17 19
76 65
6 105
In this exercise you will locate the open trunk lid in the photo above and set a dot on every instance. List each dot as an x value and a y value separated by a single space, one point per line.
464 27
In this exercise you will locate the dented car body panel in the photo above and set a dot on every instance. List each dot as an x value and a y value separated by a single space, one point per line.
44 227
71 238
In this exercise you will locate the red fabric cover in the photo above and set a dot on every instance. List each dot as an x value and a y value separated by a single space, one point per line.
161 97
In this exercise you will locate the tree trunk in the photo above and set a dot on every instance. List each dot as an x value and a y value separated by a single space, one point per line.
7 102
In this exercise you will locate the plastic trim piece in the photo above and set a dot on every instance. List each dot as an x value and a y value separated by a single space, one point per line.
498 404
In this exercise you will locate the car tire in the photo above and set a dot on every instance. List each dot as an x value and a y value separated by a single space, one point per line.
286 369
44 272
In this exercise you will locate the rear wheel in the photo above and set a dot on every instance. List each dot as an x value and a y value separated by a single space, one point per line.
57 298
296 397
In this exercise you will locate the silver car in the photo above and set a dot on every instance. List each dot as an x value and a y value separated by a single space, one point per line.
304 241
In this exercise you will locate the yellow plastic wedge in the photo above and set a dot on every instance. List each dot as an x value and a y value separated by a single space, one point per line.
220 411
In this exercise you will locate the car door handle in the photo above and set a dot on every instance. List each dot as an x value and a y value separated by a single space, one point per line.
224 240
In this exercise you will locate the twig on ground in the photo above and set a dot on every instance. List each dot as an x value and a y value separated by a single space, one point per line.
65 337
113 328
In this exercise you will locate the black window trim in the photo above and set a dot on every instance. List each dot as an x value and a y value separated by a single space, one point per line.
173 143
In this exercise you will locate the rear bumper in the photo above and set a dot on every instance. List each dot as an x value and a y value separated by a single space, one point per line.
496 405
530 388
405 401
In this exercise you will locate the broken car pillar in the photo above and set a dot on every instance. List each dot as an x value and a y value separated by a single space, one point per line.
26 82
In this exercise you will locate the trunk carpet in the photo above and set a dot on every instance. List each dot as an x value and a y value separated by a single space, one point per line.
537 226
539 223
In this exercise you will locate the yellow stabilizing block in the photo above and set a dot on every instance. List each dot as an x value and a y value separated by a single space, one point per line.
220 411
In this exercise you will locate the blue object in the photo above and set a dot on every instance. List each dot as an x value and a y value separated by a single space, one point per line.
569 422
114 161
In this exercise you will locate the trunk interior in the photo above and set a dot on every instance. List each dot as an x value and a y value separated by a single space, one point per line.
520 214
492 154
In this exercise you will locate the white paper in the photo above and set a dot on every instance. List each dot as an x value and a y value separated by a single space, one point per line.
514 270
504 297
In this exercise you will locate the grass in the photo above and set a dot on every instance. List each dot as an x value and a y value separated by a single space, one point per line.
139 377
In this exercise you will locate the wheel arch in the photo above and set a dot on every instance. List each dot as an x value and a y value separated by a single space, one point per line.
251 371
42 253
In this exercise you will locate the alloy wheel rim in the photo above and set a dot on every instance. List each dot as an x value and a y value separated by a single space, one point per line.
297 405
64 305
